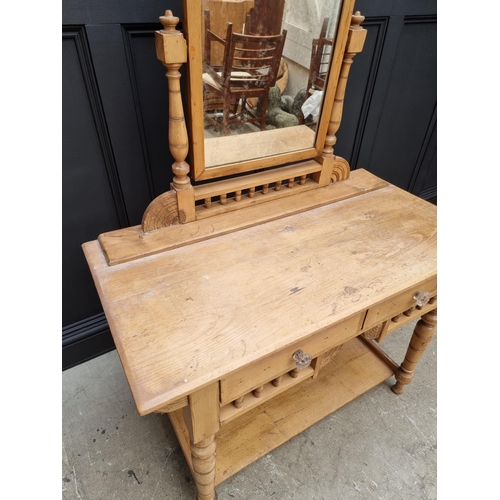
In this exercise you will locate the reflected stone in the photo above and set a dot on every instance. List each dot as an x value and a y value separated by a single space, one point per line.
276 115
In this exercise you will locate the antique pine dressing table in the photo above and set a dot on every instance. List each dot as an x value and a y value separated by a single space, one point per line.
249 308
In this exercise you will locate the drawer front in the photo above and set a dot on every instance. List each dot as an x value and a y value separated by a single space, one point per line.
245 380
398 304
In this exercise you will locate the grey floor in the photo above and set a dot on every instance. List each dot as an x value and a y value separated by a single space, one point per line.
380 446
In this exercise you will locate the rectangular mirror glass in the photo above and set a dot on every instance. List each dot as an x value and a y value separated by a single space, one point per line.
258 77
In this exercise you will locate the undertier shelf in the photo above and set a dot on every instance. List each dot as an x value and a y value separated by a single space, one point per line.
354 370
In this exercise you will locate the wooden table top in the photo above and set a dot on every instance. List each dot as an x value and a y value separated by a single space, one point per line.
187 316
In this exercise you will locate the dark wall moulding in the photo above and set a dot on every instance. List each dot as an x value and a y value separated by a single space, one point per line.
85 340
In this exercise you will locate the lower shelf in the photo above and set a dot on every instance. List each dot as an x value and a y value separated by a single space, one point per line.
355 370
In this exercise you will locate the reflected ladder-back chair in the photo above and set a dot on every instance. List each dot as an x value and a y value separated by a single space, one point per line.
321 50
320 59
250 68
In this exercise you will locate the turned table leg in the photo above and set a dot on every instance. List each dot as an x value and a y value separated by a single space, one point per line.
203 459
203 422
422 335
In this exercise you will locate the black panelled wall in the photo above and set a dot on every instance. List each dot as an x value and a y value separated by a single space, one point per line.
115 109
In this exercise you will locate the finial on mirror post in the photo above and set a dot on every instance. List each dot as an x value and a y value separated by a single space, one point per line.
169 22
171 50
356 21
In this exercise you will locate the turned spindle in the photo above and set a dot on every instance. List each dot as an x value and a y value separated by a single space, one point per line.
409 312
238 403
422 335
203 461
258 391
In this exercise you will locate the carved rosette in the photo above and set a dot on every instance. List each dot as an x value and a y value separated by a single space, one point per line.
374 333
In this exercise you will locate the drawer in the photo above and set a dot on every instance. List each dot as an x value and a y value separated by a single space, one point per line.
243 381
398 303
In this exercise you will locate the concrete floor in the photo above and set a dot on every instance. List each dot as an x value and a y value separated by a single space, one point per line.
380 446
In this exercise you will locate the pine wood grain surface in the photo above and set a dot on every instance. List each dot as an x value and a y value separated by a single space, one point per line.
242 441
130 243
186 317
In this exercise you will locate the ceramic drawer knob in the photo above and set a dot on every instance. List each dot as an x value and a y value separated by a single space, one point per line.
302 360
422 298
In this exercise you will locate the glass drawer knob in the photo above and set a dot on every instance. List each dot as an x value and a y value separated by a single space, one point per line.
422 298
302 360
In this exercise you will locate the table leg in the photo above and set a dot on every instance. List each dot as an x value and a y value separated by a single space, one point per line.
422 335
203 421
203 459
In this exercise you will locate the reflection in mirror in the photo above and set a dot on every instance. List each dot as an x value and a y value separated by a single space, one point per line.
264 70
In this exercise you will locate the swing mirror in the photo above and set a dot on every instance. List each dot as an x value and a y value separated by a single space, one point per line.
262 76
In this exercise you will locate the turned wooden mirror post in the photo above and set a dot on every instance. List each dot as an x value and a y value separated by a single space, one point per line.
308 168
176 205
339 167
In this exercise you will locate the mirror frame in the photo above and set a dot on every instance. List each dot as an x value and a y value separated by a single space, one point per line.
166 221
193 32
